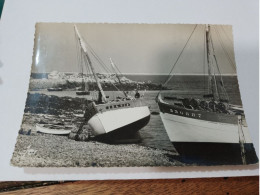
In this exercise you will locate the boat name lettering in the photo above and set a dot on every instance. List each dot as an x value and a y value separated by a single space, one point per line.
118 106
185 113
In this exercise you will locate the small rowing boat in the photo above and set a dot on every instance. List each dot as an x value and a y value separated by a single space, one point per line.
52 129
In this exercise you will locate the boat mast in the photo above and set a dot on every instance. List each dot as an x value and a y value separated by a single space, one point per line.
221 79
212 79
83 46
113 66
82 77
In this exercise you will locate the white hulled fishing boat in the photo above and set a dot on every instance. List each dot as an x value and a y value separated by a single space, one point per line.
207 130
123 115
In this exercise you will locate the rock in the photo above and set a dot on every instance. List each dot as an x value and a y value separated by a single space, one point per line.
25 132
82 137
74 130
21 131
56 75
42 122
72 136
29 132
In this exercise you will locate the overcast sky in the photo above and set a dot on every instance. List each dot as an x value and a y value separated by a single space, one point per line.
134 48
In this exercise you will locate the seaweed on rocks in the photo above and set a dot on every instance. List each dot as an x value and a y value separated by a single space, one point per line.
41 103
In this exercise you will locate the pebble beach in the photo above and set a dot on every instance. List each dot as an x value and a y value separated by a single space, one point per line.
59 151
35 149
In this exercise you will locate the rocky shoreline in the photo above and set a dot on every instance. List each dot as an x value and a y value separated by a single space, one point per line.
50 104
109 82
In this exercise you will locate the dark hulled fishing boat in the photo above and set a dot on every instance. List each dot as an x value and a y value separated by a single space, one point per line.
83 90
54 89
207 130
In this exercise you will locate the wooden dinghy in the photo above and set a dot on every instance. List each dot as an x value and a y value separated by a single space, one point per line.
52 129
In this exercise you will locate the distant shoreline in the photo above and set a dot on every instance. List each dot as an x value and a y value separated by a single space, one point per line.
148 74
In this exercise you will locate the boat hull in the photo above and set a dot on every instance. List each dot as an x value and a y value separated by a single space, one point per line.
183 129
126 134
206 138
82 92
119 122
41 129
54 89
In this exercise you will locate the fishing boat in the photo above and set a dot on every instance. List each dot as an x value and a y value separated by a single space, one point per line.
83 90
52 129
207 130
54 89
110 117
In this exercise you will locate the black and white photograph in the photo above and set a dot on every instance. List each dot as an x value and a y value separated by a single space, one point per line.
133 95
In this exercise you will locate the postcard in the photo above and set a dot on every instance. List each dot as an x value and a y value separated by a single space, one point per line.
133 95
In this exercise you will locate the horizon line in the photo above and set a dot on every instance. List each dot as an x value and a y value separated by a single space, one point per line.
178 74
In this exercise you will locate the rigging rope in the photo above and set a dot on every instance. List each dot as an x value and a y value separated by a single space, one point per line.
115 86
221 78
214 76
114 67
99 60
170 76
204 59
79 64
118 70
224 49
78 53
231 42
